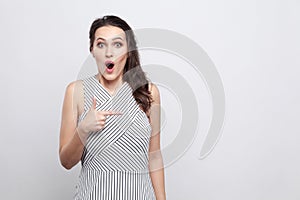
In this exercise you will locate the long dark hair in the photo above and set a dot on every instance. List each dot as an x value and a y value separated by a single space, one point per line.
133 74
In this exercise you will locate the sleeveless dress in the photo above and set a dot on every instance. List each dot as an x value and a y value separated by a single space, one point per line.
115 159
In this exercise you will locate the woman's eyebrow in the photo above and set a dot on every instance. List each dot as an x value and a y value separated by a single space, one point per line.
115 38
100 38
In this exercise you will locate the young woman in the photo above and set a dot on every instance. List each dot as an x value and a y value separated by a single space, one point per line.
111 121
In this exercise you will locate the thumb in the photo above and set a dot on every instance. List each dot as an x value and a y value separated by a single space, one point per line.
94 103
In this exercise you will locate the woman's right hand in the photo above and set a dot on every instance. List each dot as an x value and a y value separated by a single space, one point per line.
94 120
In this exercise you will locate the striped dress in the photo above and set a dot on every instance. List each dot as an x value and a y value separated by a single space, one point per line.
115 159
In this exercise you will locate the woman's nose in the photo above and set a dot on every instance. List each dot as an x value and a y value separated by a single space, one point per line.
108 52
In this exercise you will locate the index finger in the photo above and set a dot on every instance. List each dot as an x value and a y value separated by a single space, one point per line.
111 113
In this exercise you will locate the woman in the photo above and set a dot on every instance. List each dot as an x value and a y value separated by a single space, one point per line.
111 121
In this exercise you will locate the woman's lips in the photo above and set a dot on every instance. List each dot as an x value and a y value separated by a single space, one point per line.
109 66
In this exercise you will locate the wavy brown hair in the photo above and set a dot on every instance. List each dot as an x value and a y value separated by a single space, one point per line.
133 74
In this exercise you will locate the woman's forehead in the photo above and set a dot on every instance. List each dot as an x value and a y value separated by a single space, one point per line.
109 33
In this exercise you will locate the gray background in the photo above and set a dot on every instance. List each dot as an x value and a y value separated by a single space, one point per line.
253 45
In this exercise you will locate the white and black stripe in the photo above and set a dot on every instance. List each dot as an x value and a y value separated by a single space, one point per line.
115 159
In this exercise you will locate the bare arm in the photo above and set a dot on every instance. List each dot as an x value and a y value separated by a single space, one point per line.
71 146
156 165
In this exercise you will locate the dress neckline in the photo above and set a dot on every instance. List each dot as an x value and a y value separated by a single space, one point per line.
117 90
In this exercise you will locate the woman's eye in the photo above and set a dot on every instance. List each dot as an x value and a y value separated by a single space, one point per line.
100 45
118 44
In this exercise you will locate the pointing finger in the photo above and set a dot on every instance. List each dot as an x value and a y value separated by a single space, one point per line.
110 113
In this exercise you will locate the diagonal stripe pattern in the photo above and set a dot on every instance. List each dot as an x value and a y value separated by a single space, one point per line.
115 159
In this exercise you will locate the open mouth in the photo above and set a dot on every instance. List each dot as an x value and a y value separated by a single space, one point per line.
109 64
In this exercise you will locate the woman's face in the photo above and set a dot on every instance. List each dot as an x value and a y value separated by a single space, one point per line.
110 51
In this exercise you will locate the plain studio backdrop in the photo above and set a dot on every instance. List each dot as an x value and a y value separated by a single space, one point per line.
254 46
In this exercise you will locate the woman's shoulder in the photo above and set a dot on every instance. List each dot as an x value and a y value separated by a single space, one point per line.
154 91
79 83
75 90
74 86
